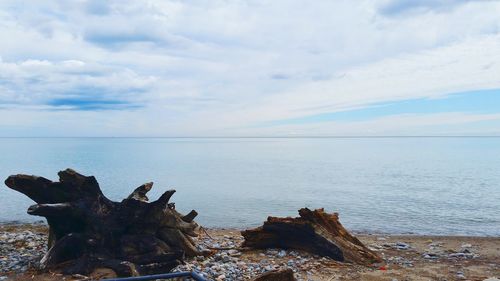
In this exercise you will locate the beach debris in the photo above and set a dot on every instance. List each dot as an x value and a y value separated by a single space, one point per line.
314 231
89 231
401 246
282 275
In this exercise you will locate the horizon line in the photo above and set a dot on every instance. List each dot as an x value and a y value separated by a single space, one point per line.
252 137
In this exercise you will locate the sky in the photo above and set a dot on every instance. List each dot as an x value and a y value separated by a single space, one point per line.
162 68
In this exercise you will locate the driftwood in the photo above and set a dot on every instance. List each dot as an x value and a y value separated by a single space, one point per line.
316 232
89 231
283 275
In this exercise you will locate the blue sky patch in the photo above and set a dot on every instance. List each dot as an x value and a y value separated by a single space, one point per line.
77 103
474 102
113 39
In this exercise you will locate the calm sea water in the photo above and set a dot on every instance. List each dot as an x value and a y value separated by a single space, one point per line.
392 185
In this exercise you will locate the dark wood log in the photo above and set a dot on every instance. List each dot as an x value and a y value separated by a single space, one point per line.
283 275
89 231
316 232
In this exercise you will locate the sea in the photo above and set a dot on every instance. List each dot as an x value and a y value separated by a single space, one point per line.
395 185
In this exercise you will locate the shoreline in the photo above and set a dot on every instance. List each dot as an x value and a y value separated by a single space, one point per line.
354 232
407 257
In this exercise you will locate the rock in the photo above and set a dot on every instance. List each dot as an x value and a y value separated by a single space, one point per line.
234 253
431 256
462 255
281 254
272 252
435 244
460 275
269 268
402 246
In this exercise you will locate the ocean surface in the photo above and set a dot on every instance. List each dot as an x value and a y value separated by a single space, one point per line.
448 186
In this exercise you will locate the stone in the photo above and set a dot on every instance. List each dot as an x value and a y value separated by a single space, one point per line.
234 253
226 258
457 255
272 252
430 256
460 275
402 246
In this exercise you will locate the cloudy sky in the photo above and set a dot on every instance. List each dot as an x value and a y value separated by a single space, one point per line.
249 68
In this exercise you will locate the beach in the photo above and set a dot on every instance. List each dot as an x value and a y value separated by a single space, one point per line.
250 140
406 257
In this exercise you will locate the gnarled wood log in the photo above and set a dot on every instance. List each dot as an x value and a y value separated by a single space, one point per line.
89 231
283 275
316 232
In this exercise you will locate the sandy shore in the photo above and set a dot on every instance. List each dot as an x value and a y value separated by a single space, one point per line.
407 258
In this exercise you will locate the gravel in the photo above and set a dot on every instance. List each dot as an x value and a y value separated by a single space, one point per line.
228 264
21 250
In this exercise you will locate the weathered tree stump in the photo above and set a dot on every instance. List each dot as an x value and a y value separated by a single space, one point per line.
89 231
316 232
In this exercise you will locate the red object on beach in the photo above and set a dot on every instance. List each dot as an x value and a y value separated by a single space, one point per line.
382 268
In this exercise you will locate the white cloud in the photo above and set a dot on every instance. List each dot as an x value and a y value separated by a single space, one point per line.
436 124
221 67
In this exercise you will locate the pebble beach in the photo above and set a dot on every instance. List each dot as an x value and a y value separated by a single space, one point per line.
406 257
